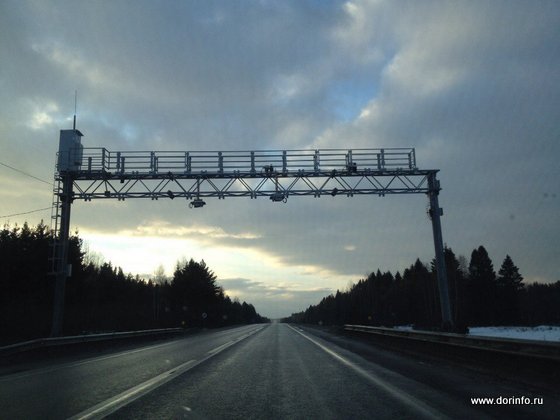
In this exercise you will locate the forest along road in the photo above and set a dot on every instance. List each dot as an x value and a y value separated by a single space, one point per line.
261 372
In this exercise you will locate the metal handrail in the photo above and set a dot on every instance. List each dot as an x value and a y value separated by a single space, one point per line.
256 161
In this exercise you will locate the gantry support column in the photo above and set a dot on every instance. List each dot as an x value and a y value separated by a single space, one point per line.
62 246
435 214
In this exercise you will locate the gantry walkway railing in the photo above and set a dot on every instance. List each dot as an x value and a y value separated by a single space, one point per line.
233 163
278 174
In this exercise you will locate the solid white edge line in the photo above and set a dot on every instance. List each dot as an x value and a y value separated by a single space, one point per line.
67 365
113 404
394 392
95 359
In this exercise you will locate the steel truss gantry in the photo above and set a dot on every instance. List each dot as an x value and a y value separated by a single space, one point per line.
96 173
274 174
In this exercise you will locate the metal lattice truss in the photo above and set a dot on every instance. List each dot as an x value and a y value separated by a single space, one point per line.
100 174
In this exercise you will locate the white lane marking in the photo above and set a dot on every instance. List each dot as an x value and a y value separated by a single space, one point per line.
220 348
68 365
112 404
229 343
418 406
81 363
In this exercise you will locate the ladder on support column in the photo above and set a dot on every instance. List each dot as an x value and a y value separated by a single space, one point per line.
56 246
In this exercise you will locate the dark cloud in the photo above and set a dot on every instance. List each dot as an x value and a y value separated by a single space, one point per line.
473 86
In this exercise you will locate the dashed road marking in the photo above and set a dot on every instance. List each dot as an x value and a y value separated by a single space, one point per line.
112 404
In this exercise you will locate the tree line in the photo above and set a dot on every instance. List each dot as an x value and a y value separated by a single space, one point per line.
100 297
479 297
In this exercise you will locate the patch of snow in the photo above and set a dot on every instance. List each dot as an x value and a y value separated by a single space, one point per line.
403 327
540 333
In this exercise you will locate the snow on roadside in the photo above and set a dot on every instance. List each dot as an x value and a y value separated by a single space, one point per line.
404 327
541 333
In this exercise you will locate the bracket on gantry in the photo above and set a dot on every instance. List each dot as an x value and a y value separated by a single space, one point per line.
197 202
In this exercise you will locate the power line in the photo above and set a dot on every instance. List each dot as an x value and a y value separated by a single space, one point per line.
26 212
25 173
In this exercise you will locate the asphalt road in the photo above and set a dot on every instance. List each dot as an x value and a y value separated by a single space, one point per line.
261 372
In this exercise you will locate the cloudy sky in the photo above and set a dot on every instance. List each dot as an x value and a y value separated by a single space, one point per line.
473 86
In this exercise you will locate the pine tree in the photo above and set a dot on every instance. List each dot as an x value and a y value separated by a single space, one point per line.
509 275
195 292
509 286
481 288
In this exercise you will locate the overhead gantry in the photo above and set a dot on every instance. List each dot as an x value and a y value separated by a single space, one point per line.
97 173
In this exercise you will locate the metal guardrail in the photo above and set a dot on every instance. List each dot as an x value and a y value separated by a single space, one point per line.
85 338
531 348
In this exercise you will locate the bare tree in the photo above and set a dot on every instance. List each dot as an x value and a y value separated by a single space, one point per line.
159 276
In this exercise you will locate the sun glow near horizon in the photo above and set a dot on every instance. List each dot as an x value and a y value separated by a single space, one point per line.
140 252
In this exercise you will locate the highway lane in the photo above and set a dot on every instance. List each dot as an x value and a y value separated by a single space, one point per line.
261 372
279 373
286 372
63 389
